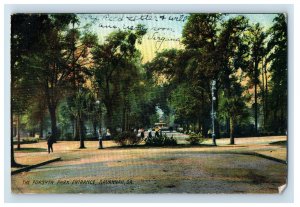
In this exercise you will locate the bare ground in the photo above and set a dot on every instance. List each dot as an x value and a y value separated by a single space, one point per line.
183 169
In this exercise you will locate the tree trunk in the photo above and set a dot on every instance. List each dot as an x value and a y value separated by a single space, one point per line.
127 121
275 125
82 125
108 104
41 127
124 119
232 125
52 111
255 108
109 118
13 163
263 95
75 129
217 125
266 93
282 124
95 128
188 127
100 119
81 138
18 132
255 98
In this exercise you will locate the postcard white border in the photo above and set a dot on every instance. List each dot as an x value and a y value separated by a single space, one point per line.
286 197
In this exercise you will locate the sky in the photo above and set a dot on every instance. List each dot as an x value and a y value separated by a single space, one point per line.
163 30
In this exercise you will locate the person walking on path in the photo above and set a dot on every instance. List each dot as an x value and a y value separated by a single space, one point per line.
100 137
50 142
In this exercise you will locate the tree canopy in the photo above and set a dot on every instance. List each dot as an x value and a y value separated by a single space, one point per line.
65 80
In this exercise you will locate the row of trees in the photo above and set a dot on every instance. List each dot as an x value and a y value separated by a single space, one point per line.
249 65
63 77
60 70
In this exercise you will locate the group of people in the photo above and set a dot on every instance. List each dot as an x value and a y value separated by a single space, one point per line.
157 132
141 133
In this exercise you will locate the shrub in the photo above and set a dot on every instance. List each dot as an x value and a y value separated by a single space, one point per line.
30 140
195 139
90 137
127 138
68 136
162 140
169 141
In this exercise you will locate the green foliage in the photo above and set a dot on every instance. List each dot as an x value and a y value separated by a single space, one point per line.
184 88
161 140
29 140
23 46
277 103
233 105
204 24
79 104
119 77
90 136
184 102
127 138
65 117
68 136
48 59
57 57
195 139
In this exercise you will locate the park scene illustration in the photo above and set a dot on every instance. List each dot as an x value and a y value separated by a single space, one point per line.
148 103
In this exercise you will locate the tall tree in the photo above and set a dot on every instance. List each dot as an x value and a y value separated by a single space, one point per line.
51 59
81 107
201 34
231 57
23 43
233 107
257 51
78 43
110 58
278 69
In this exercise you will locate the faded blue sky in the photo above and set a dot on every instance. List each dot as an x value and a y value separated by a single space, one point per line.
164 30
264 19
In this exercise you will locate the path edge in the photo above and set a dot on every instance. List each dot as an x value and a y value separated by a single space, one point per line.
34 166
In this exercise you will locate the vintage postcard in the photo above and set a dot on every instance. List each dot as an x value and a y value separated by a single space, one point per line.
149 103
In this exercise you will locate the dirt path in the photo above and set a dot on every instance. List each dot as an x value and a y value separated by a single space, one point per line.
154 170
